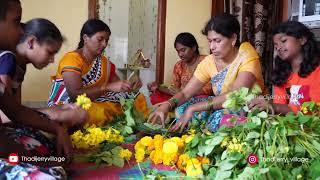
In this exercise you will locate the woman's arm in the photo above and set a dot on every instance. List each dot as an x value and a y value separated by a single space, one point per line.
244 79
193 86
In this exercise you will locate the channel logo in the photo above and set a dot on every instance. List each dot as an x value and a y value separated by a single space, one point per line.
13 158
252 159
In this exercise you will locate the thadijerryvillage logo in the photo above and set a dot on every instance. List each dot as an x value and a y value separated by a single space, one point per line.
13 158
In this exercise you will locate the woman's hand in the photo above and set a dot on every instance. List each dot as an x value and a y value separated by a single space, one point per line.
70 114
160 114
183 121
64 145
261 104
119 86
136 85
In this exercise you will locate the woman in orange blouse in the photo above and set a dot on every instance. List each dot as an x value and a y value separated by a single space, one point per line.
188 51
297 71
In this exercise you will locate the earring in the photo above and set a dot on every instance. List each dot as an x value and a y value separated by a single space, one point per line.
30 46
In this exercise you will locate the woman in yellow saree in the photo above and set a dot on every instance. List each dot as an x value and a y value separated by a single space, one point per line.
86 70
230 66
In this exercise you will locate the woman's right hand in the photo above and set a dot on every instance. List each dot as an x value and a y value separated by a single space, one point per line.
119 86
160 114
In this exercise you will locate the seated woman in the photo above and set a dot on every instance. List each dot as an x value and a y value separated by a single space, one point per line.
296 69
188 51
86 70
230 66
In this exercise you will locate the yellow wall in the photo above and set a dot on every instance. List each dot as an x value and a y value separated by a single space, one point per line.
69 16
184 16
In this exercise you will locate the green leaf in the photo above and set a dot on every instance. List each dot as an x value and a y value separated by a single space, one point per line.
256 120
108 160
118 161
215 140
303 119
208 150
247 173
263 170
220 174
275 173
212 172
227 165
252 135
314 172
195 141
316 144
128 130
262 114
224 155
201 150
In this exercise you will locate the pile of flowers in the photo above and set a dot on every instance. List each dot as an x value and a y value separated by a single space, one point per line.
92 137
170 152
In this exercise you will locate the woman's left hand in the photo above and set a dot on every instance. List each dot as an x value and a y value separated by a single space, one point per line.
136 85
183 121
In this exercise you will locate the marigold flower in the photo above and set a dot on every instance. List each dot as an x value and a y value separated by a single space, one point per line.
83 101
125 154
170 147
139 155
146 141
156 156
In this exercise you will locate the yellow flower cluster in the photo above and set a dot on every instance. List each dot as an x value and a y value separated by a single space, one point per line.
93 136
125 154
233 145
83 101
169 152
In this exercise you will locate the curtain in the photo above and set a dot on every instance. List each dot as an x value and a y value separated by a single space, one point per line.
257 18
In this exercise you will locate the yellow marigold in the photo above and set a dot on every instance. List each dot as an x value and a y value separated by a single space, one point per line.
125 154
179 142
184 137
156 156
182 162
194 168
235 147
169 159
83 101
189 139
170 147
146 141
234 140
139 155
192 131
138 145
158 142
150 147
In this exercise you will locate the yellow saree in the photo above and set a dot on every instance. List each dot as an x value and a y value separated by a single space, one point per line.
105 107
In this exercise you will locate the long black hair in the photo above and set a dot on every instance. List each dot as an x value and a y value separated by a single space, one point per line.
187 39
44 30
91 27
226 25
282 69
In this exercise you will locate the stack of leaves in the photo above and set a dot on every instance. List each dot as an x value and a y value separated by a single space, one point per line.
266 147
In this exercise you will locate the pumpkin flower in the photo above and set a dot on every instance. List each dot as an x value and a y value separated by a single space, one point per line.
83 101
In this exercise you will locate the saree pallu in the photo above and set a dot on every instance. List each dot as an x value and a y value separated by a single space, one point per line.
105 107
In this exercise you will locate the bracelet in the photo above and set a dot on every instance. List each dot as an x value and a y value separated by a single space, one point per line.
209 105
173 102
